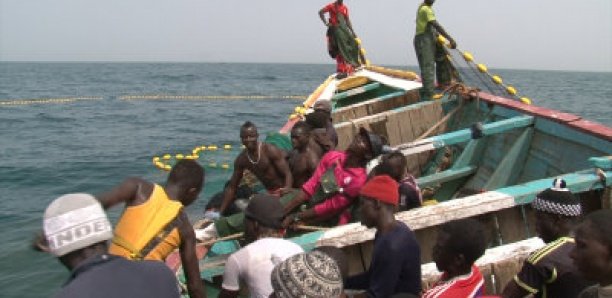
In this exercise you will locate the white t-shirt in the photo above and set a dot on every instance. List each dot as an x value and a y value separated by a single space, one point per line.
253 265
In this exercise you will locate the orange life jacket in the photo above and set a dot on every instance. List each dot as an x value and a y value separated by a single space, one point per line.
148 231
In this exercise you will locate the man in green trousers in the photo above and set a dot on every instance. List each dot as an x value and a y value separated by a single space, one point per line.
430 54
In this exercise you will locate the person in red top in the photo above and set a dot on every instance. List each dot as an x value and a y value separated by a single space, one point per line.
335 184
459 244
336 45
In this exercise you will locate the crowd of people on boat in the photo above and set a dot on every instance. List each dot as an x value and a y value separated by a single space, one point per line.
336 189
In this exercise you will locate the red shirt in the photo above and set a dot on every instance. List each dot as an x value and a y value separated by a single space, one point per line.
349 179
333 9
469 286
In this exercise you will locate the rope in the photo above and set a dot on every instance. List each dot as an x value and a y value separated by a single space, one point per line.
435 126
310 228
18 102
63 100
230 237
481 70
208 97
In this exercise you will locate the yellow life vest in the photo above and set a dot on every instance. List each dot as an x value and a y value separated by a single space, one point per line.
148 231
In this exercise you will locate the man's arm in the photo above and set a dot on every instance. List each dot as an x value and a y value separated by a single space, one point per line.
229 194
513 290
528 281
195 287
228 294
441 30
322 16
131 191
230 288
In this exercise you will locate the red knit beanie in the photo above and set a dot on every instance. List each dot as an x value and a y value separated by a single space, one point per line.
382 188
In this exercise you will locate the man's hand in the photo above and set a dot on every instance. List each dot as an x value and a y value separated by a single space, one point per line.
39 243
290 220
285 190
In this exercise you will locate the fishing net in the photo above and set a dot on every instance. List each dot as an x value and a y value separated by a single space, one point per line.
466 71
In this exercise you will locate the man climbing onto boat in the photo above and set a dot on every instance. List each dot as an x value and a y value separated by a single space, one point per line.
459 244
396 259
430 54
154 223
305 156
252 265
341 43
77 231
265 161
549 271
335 184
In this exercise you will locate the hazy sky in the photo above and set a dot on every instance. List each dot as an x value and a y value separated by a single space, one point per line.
526 34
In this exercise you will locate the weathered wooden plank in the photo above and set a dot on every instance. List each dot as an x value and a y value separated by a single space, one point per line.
424 217
576 182
470 206
355 91
394 129
511 225
463 135
427 239
604 162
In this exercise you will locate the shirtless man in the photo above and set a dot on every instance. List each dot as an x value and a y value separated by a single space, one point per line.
265 161
305 156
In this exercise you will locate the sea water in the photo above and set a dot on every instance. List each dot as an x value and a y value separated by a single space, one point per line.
85 127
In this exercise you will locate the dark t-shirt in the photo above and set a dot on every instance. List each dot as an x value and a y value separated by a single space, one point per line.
550 272
112 276
395 266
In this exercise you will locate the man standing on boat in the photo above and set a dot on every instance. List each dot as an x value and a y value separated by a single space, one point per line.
341 43
154 223
430 54
549 271
265 161
396 259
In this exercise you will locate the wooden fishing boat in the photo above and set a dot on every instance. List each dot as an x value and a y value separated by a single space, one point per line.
475 154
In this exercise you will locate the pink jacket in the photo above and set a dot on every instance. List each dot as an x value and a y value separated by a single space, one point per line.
349 179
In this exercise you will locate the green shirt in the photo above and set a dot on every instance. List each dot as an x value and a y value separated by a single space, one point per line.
424 15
